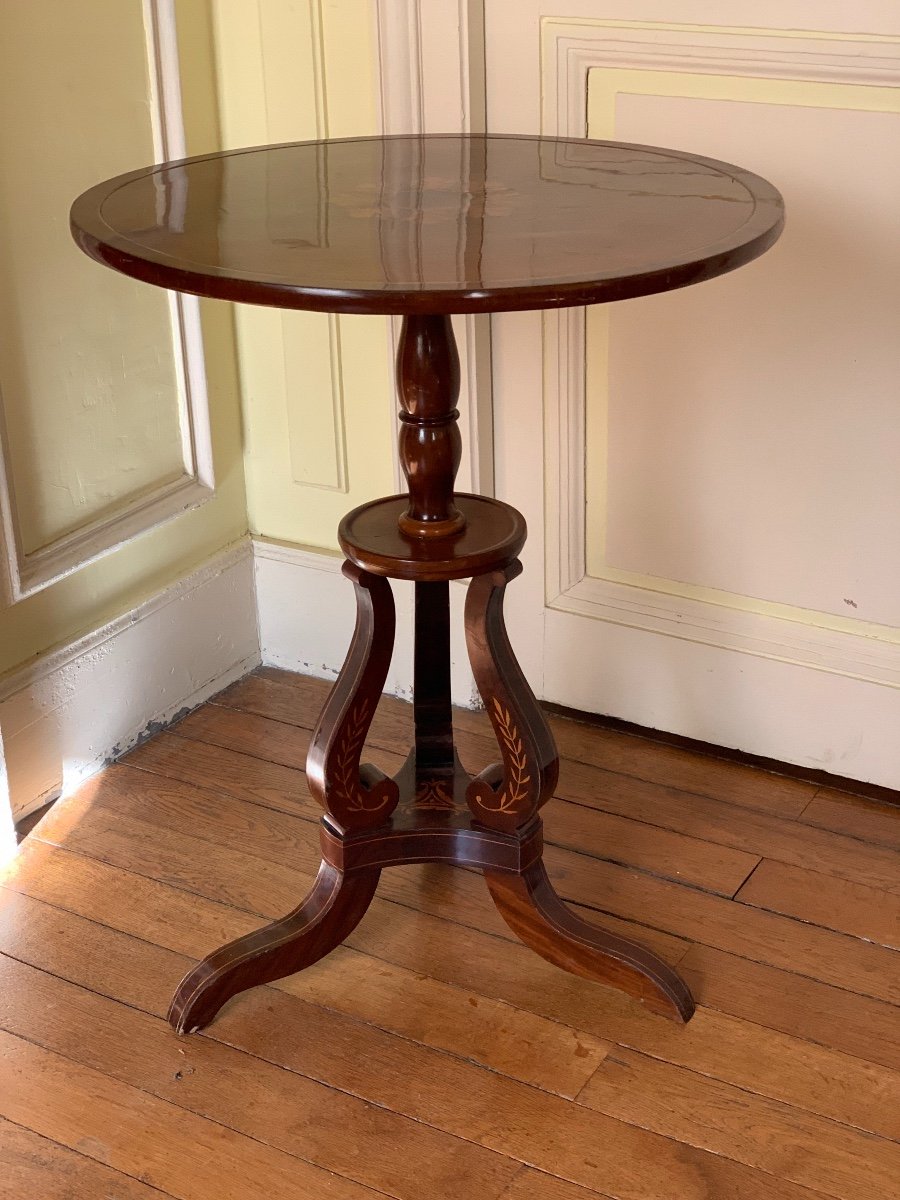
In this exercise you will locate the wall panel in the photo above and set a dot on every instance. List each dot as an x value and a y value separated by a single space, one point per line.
106 429
317 388
110 433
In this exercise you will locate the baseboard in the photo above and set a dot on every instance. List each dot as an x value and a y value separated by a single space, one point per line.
72 710
307 613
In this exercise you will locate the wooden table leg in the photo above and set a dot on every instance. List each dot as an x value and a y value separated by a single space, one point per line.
354 798
509 799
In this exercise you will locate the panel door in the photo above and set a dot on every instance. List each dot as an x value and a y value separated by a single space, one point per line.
714 505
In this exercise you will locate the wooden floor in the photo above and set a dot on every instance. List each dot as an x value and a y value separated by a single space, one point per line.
432 1056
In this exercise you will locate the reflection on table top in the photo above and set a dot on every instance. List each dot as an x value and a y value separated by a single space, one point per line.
430 224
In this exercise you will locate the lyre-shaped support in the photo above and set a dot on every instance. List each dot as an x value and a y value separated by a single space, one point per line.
506 798
356 797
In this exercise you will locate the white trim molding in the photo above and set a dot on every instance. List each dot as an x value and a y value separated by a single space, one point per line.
573 47
68 713
570 50
29 572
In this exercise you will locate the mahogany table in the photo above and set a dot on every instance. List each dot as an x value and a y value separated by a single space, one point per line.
426 227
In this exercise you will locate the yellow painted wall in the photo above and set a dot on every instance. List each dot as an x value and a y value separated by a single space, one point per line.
301 404
317 389
86 359
85 368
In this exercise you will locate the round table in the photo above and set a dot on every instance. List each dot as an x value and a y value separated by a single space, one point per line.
425 227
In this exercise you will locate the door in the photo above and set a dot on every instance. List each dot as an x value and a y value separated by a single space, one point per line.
714 507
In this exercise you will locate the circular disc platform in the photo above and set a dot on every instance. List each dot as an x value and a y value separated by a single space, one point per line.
493 536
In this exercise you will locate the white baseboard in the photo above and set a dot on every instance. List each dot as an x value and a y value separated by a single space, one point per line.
307 613
77 707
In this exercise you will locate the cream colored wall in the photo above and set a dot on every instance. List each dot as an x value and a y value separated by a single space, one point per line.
725 493
719 500
86 365
317 389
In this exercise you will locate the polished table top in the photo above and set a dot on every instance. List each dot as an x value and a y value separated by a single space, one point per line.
432 224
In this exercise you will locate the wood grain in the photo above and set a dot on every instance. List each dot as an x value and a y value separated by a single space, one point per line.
804 1008
477 1106
855 816
852 908
535 1185
432 1031
31 1165
671 766
766 937
623 753
689 860
550 1054
786 1142
279 842
185 1155
742 1052
289 1112
756 832
759 833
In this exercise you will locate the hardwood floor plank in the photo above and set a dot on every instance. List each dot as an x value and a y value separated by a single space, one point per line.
301 1117
759 833
714 868
670 855
535 1185
262 737
129 1130
850 908
742 1052
266 696
828 1157
727 824
499 1114
554 1135
713 921
279 842
804 1008
627 754
690 771
32 1166
543 1052
215 769
869 820
168 849
512 1041
432 1054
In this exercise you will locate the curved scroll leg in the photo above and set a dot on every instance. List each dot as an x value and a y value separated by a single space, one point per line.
506 801
534 912
507 798
331 911
355 797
